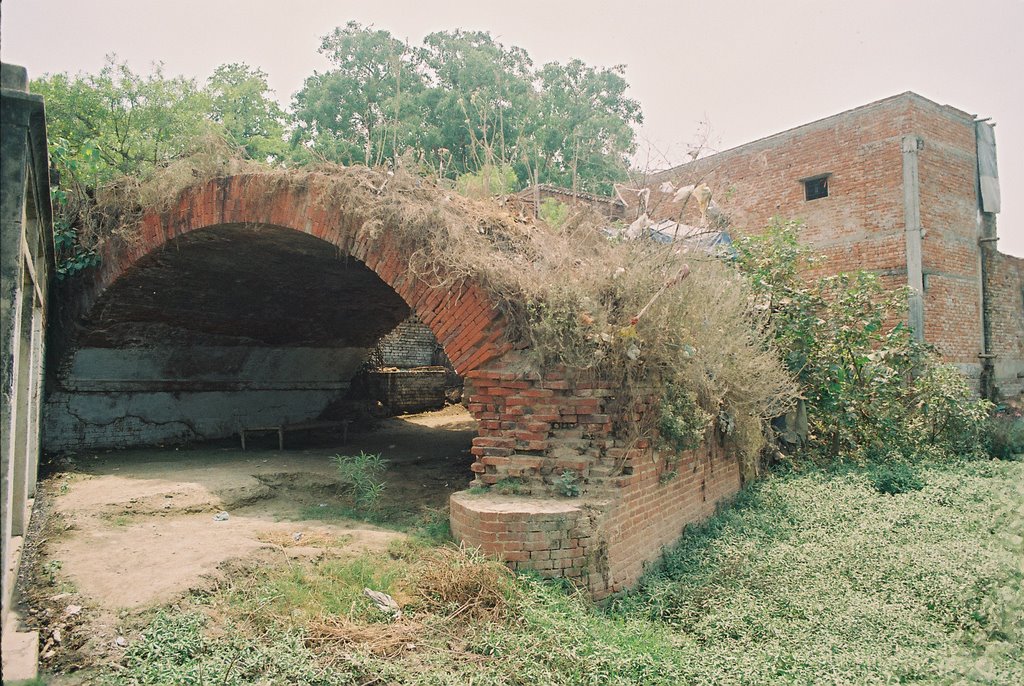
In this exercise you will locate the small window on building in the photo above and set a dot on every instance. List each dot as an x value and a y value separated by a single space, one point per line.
816 187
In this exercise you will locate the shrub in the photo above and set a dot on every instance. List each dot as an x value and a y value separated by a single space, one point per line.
895 478
553 212
1004 437
681 421
871 389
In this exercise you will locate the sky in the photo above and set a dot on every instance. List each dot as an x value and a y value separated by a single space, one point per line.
745 69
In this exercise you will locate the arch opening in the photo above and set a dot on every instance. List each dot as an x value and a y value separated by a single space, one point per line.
246 327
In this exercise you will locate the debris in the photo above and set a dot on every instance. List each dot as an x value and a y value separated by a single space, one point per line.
683 194
703 196
221 516
297 536
637 228
384 602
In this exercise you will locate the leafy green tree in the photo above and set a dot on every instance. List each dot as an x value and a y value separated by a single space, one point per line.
464 102
133 122
479 98
243 103
582 126
365 109
107 125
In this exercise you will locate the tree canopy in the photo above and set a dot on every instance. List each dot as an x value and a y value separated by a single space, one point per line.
463 102
461 106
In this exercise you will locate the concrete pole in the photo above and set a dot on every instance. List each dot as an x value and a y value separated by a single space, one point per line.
912 223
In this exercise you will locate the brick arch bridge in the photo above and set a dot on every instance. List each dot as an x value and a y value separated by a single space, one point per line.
249 274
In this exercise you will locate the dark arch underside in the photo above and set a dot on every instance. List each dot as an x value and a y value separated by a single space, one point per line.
245 284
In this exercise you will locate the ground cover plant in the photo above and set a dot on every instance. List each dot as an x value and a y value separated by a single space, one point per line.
813 577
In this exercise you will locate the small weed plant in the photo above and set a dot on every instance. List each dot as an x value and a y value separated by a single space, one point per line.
568 484
359 476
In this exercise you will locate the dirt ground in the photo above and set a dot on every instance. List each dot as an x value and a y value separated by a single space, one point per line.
129 530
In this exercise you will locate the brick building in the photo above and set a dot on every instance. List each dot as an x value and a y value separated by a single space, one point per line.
903 187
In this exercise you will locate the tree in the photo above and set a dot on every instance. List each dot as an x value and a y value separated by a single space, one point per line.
242 102
107 125
479 97
582 126
364 110
132 122
467 103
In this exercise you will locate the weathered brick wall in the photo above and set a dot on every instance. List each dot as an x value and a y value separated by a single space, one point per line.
861 149
1007 312
653 506
951 259
411 344
860 225
409 390
635 500
552 537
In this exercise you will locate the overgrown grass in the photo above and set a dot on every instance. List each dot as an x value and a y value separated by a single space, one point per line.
822 578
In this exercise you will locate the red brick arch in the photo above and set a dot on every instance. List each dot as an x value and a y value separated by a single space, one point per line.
534 426
464 320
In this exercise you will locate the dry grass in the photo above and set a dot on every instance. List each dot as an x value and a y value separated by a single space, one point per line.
572 297
457 582
312 539
329 636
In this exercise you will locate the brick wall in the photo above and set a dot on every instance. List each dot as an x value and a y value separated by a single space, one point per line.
635 500
860 225
411 344
409 390
1007 313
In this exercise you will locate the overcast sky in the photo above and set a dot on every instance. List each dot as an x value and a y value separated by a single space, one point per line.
749 68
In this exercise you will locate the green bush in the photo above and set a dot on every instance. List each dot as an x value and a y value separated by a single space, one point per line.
1004 437
553 212
871 389
681 421
894 478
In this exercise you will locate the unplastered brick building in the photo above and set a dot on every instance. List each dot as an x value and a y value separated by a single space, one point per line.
903 187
